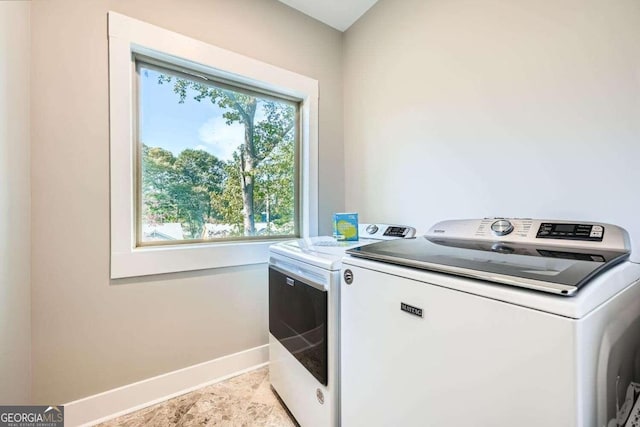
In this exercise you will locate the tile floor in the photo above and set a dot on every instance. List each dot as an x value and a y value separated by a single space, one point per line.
245 400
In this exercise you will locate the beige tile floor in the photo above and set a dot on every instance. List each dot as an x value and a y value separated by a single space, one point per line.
245 400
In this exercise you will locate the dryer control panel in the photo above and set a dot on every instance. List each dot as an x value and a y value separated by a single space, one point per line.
385 231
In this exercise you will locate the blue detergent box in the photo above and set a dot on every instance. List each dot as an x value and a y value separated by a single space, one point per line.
345 226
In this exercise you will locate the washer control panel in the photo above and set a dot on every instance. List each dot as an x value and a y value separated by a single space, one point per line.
587 232
561 233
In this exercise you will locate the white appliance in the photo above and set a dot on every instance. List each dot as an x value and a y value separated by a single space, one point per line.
304 324
491 323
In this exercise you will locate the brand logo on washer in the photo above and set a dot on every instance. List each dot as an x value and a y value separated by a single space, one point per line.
348 276
411 309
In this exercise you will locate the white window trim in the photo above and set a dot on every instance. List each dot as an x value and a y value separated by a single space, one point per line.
127 35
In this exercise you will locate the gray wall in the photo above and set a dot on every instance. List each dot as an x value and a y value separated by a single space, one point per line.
460 108
90 334
15 294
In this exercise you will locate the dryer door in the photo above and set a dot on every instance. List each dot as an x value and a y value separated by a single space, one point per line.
298 319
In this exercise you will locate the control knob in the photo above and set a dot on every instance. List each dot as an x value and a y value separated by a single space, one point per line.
372 229
502 227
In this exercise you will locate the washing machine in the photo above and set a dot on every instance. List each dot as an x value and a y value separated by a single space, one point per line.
304 323
493 322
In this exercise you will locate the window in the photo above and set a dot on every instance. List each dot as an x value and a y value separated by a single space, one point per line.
213 154
215 161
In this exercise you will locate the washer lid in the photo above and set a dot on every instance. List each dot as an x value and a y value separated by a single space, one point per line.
546 268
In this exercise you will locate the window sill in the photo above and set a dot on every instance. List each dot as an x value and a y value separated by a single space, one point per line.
171 259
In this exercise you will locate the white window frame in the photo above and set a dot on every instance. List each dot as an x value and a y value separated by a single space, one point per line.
128 36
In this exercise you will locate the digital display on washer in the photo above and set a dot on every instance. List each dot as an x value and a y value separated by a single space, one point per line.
586 232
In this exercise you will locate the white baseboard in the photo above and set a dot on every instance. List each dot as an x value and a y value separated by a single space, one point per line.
132 397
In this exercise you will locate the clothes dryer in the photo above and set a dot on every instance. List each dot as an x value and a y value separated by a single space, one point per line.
304 321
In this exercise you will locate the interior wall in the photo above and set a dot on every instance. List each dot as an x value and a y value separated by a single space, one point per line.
91 334
467 109
15 293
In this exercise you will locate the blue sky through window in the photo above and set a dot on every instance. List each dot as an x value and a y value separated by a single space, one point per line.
166 123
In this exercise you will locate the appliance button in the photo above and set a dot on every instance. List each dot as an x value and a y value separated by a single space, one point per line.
348 276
